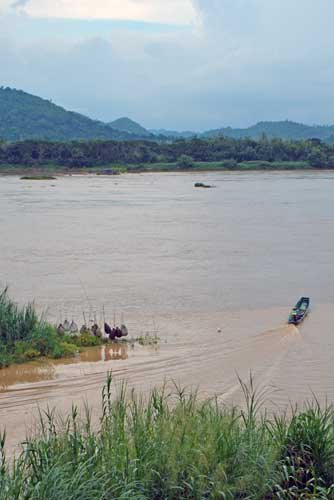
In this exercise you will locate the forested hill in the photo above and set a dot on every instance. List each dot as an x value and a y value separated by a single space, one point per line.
131 127
281 129
24 116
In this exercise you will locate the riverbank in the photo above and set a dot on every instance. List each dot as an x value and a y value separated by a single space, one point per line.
49 171
171 444
24 336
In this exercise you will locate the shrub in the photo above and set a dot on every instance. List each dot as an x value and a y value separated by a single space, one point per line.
6 358
68 350
87 340
24 352
185 161
15 323
44 339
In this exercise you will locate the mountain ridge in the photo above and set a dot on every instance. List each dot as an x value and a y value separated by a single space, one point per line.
25 116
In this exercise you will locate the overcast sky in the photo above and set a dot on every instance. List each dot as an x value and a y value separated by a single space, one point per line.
181 64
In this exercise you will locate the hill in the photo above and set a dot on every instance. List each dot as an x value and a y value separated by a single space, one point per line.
131 127
25 116
282 129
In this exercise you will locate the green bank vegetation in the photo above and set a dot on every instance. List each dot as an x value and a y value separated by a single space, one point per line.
218 152
25 336
171 445
38 178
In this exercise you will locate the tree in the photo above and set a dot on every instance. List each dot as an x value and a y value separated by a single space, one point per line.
317 158
185 161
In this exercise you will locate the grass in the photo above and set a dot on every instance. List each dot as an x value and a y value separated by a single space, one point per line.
24 336
171 445
46 172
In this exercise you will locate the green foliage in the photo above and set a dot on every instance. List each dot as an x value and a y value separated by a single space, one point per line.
219 152
126 125
25 352
44 339
23 336
87 340
16 323
171 445
24 116
6 358
68 350
185 161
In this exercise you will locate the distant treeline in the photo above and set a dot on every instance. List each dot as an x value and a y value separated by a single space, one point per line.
77 154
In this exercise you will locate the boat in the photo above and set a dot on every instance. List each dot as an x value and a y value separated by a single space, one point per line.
300 310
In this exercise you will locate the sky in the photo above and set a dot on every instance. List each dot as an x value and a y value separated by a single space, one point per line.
176 64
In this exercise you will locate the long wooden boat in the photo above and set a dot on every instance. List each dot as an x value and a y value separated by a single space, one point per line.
300 310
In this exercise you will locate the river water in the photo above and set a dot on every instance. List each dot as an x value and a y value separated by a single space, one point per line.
213 272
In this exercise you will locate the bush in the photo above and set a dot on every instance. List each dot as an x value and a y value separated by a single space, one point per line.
24 352
87 340
15 323
6 358
185 161
68 350
44 339
23 336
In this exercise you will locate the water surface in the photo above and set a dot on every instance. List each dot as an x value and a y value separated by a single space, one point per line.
183 263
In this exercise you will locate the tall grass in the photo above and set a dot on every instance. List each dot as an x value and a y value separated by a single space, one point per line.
15 323
171 445
25 336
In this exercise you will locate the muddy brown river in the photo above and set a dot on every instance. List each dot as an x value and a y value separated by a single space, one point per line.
212 272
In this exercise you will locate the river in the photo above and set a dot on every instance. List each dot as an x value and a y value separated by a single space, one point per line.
213 272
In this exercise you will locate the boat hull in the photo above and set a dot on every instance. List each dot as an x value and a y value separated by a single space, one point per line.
300 311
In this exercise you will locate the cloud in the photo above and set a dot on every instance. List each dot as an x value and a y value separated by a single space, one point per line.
161 11
238 61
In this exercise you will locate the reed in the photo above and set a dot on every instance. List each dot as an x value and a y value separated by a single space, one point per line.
25 336
171 445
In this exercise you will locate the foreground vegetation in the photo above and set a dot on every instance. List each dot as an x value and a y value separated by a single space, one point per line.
173 446
24 336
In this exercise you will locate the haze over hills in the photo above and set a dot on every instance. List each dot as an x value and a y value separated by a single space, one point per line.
24 116
281 129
